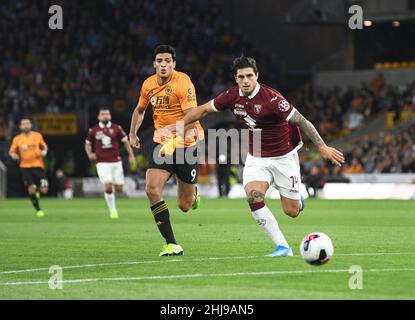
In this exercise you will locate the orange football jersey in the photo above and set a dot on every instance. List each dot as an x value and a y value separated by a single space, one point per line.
29 146
168 102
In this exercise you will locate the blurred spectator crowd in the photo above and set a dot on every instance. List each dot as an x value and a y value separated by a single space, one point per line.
387 152
338 112
104 52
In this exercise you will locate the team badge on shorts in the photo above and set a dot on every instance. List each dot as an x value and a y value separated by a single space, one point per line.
257 108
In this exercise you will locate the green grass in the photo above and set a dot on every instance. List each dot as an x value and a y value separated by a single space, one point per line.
373 234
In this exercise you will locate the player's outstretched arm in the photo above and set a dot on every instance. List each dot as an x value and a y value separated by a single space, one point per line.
136 121
187 123
326 152
192 116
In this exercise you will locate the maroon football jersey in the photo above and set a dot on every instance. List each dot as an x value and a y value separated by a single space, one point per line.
265 110
106 141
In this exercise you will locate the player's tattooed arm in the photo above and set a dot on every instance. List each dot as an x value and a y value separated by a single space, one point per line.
307 127
328 153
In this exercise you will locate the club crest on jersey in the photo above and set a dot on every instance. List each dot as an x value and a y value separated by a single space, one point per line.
240 112
257 108
283 105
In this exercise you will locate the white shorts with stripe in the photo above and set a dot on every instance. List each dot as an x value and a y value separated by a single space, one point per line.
282 173
111 172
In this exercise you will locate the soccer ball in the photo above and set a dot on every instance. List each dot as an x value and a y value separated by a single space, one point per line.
316 248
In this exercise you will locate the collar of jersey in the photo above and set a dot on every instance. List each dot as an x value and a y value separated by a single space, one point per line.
254 93
102 126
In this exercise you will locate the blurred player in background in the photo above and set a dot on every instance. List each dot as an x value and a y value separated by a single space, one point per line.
172 95
64 185
264 109
104 138
30 148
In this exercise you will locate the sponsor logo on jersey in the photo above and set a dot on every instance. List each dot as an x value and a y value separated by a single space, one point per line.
99 135
257 108
283 105
240 112
106 142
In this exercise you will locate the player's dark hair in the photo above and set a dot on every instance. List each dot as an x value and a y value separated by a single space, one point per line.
164 48
243 62
103 109
25 118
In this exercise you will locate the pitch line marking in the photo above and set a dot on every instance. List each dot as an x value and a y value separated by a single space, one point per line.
125 263
203 275
183 260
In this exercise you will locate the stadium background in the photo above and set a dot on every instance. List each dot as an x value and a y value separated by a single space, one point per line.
356 86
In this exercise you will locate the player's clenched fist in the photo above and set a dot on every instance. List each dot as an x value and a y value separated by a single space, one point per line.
92 157
134 141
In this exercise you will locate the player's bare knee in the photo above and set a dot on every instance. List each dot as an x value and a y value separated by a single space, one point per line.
256 197
153 191
31 189
108 188
185 204
292 211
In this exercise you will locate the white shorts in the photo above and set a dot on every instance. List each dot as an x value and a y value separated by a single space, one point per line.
110 172
282 173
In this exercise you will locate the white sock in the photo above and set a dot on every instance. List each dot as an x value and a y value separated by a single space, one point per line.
110 199
267 221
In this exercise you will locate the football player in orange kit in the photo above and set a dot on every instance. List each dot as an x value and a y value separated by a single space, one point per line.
30 148
172 95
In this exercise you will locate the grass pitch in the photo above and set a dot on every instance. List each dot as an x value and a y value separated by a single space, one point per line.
224 251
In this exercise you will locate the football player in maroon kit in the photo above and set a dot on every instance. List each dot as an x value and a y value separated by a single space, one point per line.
260 108
105 138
